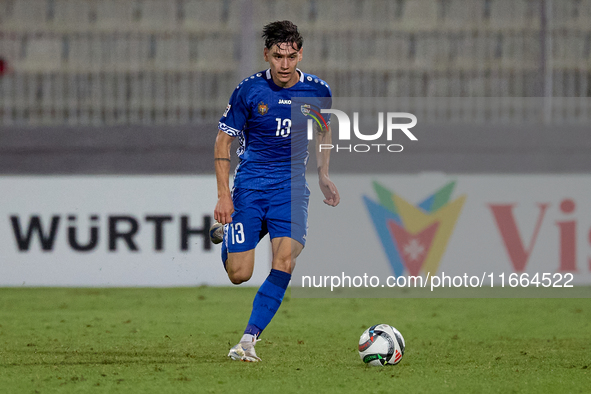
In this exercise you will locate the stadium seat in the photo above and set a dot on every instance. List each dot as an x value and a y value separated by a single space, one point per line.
463 50
475 86
80 53
10 48
116 15
531 48
332 15
570 14
108 52
585 14
24 15
52 99
463 14
389 50
338 51
499 84
428 49
562 13
420 15
203 15
513 14
400 46
180 99
172 52
571 49
313 51
157 15
512 49
488 48
137 48
42 54
267 11
74 15
134 103
215 51
382 13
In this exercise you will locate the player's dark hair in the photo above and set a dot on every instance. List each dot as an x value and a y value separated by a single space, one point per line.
282 32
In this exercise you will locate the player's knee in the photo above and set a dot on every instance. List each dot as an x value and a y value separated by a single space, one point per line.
285 264
238 277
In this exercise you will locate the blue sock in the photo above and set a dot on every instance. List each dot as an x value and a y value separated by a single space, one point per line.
267 301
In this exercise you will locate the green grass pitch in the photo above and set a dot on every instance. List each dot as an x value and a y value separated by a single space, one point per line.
176 340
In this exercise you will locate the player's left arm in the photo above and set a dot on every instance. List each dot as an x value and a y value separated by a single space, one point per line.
331 194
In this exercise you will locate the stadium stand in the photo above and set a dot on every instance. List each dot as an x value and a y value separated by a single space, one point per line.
86 62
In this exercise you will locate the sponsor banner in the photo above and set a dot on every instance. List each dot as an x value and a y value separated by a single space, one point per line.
449 231
112 231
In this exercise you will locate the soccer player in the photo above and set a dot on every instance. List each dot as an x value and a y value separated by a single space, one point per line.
270 193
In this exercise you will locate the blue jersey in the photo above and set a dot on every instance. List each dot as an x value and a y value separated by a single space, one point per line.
273 138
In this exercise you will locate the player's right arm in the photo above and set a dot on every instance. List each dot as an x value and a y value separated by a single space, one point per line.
231 124
224 207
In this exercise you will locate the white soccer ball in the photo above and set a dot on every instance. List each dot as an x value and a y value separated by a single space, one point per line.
380 345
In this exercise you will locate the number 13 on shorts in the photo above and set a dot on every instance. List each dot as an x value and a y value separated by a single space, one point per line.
237 233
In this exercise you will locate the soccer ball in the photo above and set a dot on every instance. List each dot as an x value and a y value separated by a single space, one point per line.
380 345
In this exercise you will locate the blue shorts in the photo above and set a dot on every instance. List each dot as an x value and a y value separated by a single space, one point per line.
279 212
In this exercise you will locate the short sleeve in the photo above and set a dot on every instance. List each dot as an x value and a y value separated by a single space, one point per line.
236 114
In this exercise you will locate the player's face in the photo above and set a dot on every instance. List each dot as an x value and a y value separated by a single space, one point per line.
283 60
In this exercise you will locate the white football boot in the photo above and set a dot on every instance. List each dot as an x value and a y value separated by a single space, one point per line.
216 233
244 351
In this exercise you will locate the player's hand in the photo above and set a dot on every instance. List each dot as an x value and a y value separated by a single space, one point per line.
329 190
224 209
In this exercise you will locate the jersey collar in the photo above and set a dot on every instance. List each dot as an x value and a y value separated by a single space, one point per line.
268 74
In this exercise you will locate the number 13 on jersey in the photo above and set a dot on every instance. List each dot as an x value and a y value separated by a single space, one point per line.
237 233
285 130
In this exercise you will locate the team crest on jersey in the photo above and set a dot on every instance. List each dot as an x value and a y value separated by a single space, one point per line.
263 108
305 109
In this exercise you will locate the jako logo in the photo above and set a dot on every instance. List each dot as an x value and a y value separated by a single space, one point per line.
414 237
345 129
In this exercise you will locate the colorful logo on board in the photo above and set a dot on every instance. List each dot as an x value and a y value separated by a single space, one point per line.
414 237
